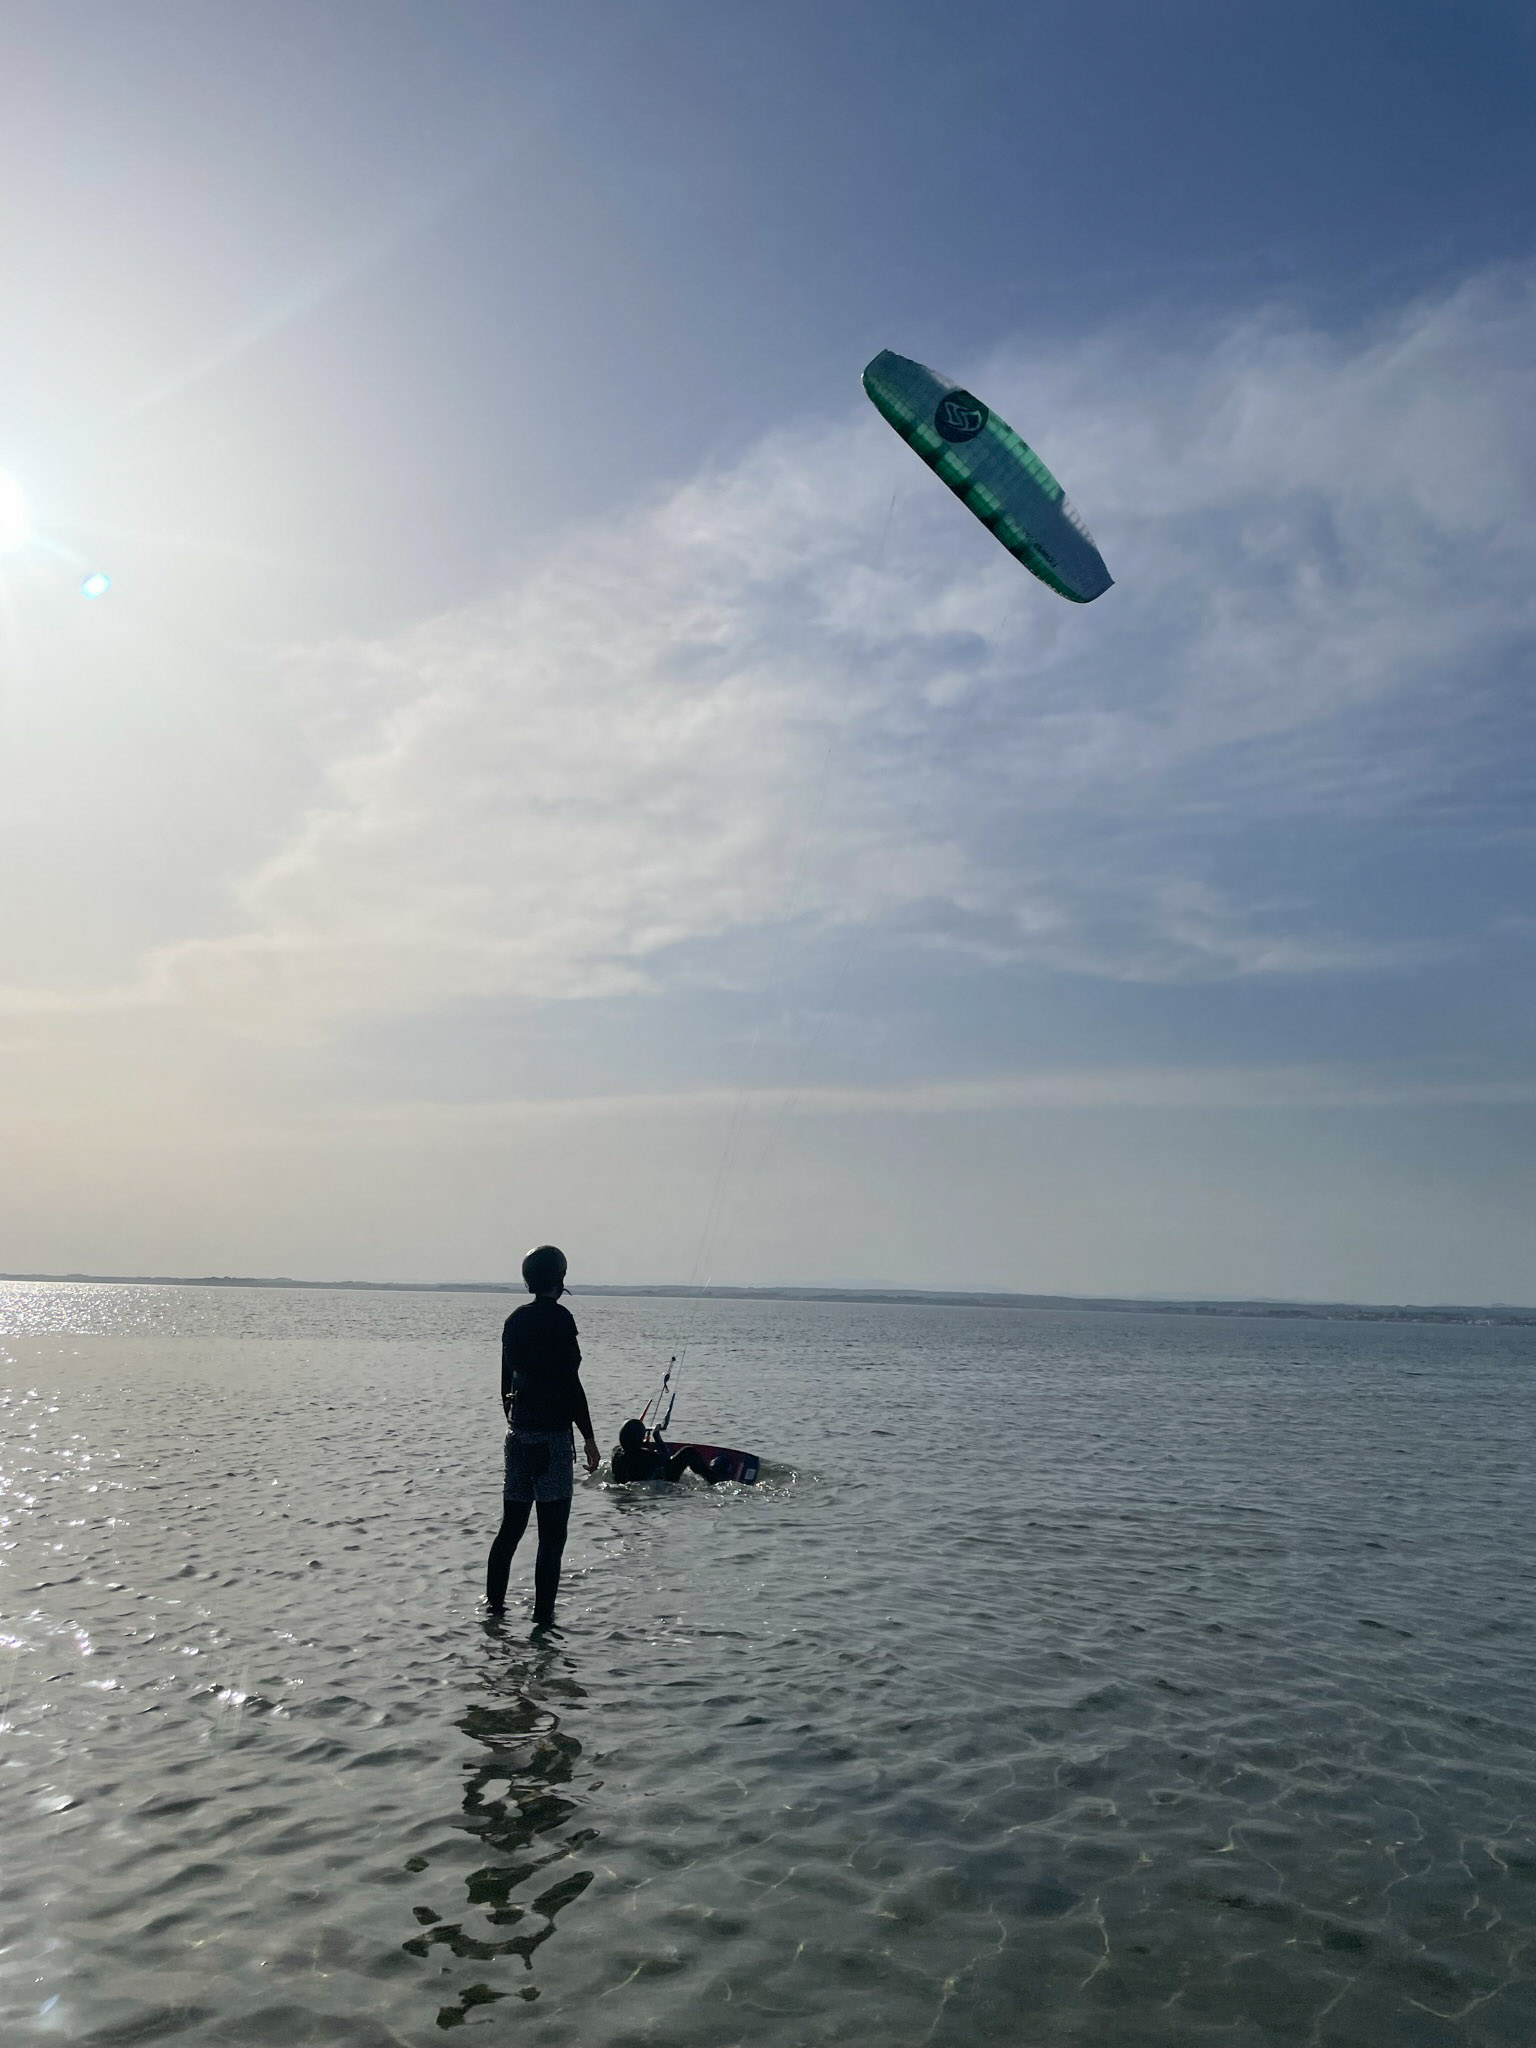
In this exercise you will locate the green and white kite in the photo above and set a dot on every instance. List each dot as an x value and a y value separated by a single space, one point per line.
998 475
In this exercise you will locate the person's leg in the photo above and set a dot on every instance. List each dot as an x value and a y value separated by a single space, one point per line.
711 1469
554 1520
498 1566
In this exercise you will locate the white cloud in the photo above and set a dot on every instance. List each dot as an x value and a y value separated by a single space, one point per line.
807 690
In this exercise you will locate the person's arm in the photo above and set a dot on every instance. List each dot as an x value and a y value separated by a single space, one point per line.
506 1368
581 1415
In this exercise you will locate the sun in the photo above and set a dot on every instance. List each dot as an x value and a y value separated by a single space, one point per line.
15 522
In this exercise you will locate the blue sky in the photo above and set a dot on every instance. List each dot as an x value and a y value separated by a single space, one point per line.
552 764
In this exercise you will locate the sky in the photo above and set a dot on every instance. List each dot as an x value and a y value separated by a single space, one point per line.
552 765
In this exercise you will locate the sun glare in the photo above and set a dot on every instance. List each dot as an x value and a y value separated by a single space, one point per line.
15 525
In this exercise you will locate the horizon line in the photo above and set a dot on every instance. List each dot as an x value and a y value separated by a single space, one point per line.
1514 1313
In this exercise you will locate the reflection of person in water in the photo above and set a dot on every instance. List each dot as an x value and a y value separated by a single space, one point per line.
521 1802
641 1454
542 1395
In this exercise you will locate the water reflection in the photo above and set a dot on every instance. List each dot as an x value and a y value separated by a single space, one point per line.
518 1801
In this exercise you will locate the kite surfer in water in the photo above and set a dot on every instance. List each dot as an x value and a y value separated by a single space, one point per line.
642 1454
541 1396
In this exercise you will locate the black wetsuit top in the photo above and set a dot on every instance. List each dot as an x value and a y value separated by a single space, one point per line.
541 1369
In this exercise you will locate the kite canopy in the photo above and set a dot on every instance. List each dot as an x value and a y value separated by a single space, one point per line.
999 476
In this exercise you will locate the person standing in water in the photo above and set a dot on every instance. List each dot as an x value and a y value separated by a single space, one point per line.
541 1396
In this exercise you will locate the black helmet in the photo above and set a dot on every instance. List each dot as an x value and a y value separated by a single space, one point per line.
632 1435
544 1269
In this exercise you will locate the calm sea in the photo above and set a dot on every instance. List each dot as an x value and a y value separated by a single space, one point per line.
1071 1678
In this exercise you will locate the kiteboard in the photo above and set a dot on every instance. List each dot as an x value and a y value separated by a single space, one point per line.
741 1466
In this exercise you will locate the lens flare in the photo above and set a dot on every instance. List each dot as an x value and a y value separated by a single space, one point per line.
96 584
15 523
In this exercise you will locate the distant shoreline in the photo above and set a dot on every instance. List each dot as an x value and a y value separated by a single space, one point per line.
1499 1313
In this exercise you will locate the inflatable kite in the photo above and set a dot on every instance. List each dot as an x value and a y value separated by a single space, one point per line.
998 475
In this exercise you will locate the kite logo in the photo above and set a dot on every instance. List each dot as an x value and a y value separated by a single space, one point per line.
960 417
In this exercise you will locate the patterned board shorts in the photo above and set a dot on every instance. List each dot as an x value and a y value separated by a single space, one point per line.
529 1449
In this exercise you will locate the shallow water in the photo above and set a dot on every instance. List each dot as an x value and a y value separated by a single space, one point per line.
1072 1678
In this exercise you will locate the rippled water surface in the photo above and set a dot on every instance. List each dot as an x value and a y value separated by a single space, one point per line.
1072 1678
